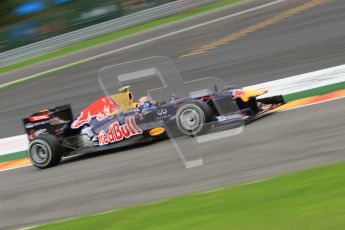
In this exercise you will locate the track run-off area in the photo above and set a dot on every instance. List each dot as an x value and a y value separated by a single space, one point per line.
299 91
301 42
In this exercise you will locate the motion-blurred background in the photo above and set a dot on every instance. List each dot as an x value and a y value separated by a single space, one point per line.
26 21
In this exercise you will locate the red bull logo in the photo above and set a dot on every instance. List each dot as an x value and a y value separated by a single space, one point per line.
119 132
100 109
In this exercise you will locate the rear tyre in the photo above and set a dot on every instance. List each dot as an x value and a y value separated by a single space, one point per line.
193 118
45 151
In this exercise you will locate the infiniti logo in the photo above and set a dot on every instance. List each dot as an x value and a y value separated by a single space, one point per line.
162 112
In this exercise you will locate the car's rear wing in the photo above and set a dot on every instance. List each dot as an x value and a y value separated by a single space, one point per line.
52 121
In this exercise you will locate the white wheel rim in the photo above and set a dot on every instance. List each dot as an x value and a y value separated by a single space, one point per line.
190 119
40 153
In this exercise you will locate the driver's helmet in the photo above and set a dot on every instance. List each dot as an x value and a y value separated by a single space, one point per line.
145 100
145 104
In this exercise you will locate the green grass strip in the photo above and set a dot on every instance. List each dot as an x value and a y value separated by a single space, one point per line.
115 35
13 156
314 92
310 199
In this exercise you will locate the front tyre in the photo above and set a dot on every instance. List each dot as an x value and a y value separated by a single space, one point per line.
192 118
44 151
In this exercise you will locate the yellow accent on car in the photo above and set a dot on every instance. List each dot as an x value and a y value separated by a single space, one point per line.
248 93
157 131
125 99
125 89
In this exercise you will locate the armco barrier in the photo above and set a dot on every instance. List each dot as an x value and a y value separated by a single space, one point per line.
60 41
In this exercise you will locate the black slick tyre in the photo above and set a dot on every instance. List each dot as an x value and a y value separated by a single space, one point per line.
193 118
44 151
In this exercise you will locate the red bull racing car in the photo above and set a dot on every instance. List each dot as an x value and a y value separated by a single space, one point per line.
118 121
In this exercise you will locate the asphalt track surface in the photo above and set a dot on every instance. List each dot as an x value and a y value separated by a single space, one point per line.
283 142
308 41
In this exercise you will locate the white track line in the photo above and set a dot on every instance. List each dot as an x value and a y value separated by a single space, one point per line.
146 41
302 106
3 170
13 144
186 29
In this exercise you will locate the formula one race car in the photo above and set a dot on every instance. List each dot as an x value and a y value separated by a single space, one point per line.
117 121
